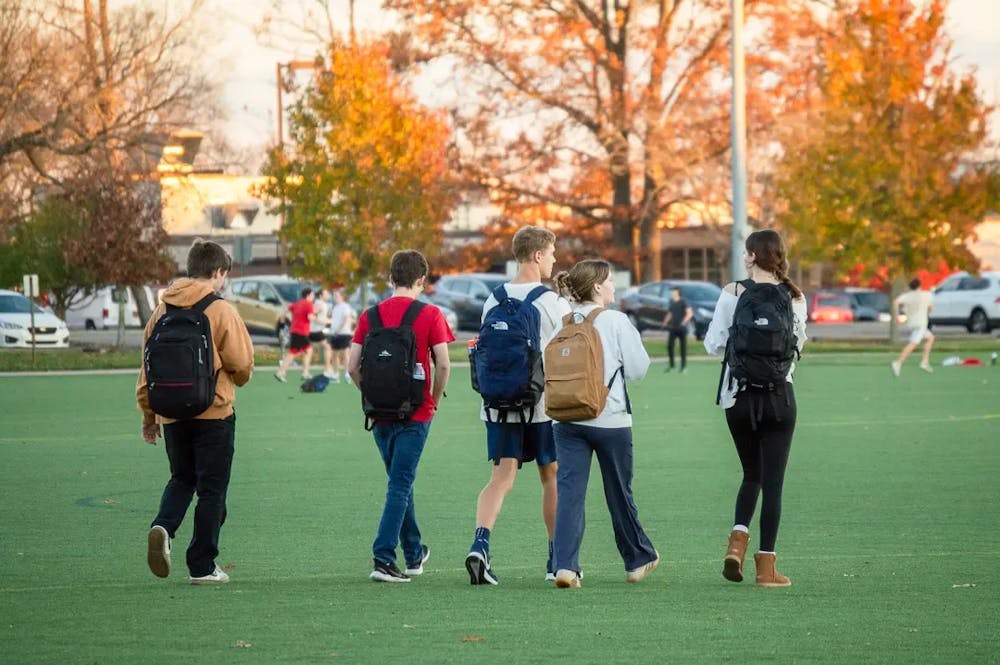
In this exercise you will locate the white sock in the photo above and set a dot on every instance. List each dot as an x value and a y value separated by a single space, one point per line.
741 527
763 552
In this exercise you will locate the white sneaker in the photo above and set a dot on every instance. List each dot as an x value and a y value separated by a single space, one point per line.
927 368
306 376
158 551
567 579
895 367
280 376
636 575
217 576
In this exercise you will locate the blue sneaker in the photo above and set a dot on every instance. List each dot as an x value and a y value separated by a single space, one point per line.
480 570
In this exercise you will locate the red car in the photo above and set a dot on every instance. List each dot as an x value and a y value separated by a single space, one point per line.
830 307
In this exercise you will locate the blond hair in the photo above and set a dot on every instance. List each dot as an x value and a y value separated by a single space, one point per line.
531 239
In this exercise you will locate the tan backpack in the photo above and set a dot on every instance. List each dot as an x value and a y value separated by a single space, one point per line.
574 371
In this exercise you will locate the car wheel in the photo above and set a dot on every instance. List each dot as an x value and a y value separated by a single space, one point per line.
978 323
90 325
635 321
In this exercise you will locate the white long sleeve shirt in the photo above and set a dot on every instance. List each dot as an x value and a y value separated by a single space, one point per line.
718 335
623 348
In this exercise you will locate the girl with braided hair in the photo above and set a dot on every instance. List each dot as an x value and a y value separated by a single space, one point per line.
763 436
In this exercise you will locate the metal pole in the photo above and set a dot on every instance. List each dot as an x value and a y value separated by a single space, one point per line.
282 245
739 145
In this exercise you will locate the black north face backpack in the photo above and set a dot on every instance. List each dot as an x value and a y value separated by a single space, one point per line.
761 346
179 362
392 384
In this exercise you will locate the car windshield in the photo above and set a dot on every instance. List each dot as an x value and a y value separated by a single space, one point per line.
289 291
15 304
832 300
701 292
872 299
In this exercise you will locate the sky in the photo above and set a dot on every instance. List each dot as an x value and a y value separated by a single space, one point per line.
248 66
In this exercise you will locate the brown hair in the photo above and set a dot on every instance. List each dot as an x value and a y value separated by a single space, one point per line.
915 283
406 267
578 283
205 257
531 239
768 251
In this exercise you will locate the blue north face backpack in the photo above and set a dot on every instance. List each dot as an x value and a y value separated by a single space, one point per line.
506 360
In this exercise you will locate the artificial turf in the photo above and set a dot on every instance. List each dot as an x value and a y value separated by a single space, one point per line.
890 533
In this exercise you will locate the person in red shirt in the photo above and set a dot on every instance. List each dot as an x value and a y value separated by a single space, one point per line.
401 442
302 316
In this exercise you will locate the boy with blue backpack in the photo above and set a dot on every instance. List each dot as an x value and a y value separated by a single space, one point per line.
519 319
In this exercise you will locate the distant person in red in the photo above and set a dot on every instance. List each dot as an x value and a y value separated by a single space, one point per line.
302 316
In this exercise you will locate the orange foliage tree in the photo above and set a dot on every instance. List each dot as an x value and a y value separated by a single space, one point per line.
611 110
366 173
885 183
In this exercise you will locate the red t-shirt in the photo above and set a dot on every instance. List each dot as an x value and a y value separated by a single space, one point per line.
429 328
300 309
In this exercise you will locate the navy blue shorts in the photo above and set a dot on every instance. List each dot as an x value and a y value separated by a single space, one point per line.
522 442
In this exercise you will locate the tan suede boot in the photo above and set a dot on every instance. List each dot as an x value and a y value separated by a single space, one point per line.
767 574
732 565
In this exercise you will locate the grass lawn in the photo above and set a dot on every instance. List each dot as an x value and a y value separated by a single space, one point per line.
890 533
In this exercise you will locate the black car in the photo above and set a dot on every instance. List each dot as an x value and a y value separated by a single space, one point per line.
646 307
466 294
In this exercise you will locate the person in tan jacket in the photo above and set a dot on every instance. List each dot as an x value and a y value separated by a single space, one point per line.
200 449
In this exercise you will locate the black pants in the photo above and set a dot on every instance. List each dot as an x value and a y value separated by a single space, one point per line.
201 458
763 453
682 336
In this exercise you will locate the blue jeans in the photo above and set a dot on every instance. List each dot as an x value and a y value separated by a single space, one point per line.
400 445
575 445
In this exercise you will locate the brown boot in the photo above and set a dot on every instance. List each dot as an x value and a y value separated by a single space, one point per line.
767 574
732 565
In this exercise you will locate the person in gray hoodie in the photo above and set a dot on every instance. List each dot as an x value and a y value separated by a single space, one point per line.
589 285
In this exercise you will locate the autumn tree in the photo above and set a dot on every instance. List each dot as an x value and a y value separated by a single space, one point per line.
365 174
886 176
612 110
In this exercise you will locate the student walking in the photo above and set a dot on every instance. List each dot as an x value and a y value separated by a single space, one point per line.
342 320
520 435
760 324
603 428
319 328
399 345
199 446
679 314
916 304
303 313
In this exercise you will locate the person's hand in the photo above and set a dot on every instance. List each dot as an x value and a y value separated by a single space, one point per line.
150 433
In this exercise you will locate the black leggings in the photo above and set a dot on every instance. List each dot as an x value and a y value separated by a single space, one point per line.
764 454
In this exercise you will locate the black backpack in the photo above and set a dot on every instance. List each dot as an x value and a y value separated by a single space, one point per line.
180 363
392 384
761 346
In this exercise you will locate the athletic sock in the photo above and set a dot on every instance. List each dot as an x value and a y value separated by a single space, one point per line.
741 527
481 541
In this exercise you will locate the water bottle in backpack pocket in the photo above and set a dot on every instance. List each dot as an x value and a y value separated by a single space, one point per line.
179 362
506 359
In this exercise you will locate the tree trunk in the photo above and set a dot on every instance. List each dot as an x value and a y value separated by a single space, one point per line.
120 339
142 305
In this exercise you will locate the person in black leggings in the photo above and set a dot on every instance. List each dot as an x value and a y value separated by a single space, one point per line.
761 422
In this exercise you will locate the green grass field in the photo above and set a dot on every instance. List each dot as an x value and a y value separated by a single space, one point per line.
890 533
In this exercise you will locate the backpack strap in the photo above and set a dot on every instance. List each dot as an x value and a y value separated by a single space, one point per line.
411 314
374 318
535 293
621 370
203 304
500 294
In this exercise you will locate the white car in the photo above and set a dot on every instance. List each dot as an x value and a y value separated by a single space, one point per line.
968 300
15 324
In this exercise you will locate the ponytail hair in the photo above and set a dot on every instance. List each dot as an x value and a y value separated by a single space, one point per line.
768 250
577 284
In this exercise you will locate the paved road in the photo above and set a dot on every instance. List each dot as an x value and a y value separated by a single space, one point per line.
865 330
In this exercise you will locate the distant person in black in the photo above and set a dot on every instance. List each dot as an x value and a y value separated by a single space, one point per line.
679 314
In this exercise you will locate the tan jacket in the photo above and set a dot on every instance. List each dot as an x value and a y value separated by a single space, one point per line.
232 349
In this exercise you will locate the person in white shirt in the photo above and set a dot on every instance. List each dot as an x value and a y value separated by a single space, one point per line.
342 321
319 326
916 304
763 436
510 444
590 285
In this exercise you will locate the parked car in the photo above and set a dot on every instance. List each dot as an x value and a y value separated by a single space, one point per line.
262 301
646 306
968 300
830 307
99 309
15 324
377 296
867 304
466 294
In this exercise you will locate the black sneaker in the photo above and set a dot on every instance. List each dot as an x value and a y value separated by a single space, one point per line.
480 571
387 572
417 568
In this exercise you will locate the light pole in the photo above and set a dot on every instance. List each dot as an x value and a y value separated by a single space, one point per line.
738 130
